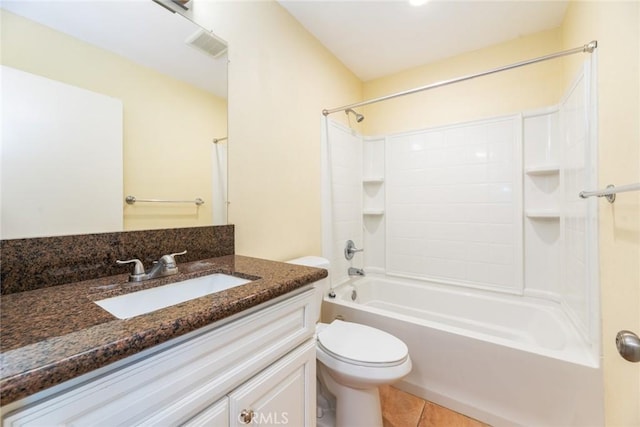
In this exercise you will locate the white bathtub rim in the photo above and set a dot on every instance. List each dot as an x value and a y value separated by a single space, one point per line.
582 358
576 349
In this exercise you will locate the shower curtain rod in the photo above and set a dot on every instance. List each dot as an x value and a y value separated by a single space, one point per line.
610 192
587 48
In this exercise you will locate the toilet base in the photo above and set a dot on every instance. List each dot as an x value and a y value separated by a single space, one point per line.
325 406
354 407
328 419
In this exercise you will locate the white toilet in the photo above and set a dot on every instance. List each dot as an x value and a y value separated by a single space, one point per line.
353 360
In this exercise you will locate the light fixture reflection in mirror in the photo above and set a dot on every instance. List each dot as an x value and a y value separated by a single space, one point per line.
169 116
182 3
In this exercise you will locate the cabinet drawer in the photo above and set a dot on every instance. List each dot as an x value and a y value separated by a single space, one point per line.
176 383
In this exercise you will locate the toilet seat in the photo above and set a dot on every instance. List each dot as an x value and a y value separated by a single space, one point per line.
361 345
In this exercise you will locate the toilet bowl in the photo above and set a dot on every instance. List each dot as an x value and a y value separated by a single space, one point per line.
353 360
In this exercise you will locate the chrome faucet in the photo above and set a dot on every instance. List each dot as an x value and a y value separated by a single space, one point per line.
350 250
165 266
355 271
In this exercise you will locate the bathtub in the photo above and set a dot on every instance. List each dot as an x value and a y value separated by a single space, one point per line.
501 359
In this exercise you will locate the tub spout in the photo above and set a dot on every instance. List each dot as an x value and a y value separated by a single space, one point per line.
355 271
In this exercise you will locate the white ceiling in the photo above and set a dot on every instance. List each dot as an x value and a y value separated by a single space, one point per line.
139 30
378 38
372 38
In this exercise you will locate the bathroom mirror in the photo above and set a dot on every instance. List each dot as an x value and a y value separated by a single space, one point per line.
170 76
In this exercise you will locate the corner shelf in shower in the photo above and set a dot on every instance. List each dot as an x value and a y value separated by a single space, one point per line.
542 170
373 196
542 214
373 180
541 190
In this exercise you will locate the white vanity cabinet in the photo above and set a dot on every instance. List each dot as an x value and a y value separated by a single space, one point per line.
258 369
280 395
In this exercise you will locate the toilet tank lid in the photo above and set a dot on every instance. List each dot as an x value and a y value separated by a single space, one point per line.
310 261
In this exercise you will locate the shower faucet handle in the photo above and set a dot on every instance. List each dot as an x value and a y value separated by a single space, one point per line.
350 250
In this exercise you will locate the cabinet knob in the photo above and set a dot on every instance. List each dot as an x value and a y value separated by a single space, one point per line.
246 416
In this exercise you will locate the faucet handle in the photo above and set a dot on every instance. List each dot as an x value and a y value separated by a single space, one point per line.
350 249
138 268
169 260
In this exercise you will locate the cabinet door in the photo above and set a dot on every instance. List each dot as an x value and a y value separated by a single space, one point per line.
217 415
284 394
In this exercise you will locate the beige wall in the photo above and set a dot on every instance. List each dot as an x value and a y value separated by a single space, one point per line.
168 125
529 87
280 79
616 26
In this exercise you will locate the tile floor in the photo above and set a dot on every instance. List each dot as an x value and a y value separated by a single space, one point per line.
401 409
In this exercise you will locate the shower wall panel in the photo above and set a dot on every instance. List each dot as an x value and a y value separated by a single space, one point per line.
454 204
579 285
344 156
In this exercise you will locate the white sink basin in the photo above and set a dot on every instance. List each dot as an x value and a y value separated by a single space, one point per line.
148 300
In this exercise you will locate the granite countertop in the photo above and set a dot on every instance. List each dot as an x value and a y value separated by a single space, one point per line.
54 334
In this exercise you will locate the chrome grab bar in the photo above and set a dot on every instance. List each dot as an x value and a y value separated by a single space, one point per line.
132 199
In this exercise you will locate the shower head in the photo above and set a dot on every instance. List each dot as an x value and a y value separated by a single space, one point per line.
359 117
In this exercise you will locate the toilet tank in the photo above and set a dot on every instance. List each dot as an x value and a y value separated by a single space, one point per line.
322 286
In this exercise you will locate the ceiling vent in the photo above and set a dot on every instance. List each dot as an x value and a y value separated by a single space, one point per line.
207 43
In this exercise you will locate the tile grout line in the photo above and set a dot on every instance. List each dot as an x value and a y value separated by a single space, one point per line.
424 407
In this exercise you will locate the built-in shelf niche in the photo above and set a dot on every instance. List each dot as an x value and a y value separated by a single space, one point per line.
373 194
542 214
373 197
542 201
543 170
542 164
373 203
373 180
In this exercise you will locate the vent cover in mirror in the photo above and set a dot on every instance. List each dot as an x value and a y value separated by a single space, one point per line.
207 43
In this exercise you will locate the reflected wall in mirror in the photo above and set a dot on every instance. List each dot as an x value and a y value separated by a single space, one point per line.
173 100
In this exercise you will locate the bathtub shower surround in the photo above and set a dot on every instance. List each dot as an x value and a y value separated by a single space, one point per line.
487 213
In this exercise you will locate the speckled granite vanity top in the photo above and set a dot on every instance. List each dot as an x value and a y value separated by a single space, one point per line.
54 334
